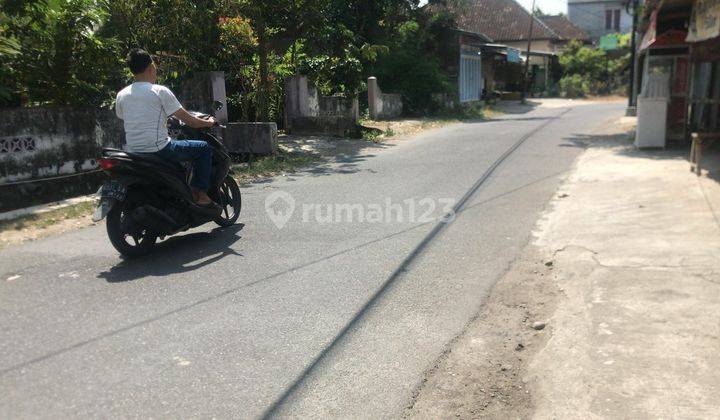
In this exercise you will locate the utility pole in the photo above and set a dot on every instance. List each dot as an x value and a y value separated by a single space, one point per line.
527 55
631 109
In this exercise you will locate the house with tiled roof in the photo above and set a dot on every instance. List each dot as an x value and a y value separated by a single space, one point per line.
493 42
504 21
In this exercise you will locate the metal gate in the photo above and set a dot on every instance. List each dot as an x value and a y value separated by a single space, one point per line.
470 80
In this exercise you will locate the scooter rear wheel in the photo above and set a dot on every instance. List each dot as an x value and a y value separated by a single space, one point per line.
229 201
129 241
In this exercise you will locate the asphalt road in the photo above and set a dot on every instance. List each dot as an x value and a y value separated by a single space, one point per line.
325 317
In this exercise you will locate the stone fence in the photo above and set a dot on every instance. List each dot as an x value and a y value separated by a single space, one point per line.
383 106
202 90
308 113
43 142
50 153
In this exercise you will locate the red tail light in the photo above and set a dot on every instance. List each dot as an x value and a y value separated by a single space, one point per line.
106 163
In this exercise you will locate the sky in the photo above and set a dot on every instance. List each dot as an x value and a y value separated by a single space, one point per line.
550 7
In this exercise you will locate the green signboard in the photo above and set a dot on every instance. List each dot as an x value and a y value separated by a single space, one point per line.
608 42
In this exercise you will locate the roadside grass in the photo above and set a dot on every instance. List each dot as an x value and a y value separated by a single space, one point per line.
47 219
379 131
373 134
282 161
460 115
490 112
464 113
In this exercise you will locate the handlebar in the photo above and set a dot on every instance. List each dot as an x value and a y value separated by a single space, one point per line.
196 115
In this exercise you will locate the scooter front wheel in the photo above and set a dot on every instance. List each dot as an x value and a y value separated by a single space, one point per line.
130 241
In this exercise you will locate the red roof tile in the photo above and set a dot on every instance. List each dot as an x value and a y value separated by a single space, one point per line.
501 20
565 29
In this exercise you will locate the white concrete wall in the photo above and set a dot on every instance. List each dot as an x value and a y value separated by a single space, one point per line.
383 105
56 141
200 92
590 16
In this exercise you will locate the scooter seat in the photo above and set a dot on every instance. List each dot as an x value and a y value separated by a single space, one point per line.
146 157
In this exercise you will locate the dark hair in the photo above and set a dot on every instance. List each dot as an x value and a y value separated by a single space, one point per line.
138 60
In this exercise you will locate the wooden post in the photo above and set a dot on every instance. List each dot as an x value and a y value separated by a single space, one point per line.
632 89
527 55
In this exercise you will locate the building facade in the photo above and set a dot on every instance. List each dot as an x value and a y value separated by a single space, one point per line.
487 51
507 26
681 42
600 17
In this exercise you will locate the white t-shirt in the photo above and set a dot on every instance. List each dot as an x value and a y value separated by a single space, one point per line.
144 108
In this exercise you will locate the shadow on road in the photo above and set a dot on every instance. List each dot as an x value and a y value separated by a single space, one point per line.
515 107
623 145
342 164
339 156
505 119
178 254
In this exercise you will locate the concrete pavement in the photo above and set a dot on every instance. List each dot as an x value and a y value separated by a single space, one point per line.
624 270
637 332
254 320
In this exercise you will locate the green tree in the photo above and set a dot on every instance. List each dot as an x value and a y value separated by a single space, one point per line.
70 52
619 63
9 49
182 35
62 58
276 26
412 69
591 70
420 51
586 61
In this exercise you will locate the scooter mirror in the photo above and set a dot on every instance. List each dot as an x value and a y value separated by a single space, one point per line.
217 105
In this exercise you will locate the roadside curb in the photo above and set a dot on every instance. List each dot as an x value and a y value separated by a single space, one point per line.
44 208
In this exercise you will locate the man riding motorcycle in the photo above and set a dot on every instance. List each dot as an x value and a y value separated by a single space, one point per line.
144 108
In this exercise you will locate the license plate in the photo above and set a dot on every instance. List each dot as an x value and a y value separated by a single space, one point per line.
103 209
113 190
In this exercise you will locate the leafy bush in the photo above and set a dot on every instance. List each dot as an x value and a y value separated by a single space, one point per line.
71 52
594 71
574 86
581 60
334 75
413 70
62 59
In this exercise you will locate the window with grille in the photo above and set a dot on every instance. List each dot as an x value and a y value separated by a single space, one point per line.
616 19
608 19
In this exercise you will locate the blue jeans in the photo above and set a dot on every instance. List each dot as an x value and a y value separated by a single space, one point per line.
196 151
